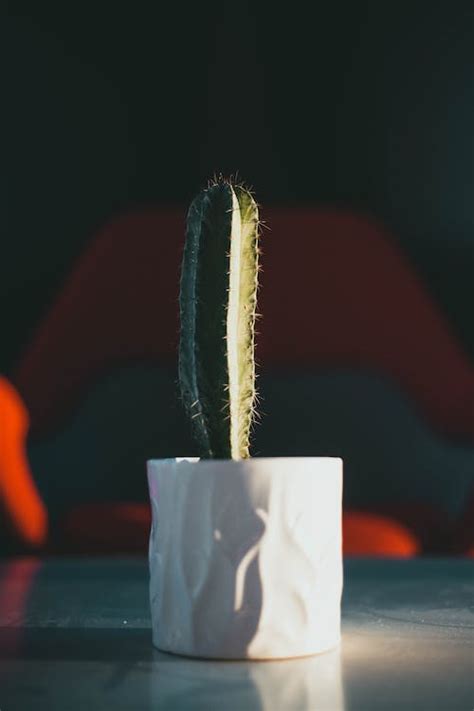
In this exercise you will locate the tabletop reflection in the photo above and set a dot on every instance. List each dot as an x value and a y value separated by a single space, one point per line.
304 683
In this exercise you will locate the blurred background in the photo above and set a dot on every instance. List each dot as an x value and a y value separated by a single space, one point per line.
353 123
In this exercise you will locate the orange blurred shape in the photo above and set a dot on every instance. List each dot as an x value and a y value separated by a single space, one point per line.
20 501
373 535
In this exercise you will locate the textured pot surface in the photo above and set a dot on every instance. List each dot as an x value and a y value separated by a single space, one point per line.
246 556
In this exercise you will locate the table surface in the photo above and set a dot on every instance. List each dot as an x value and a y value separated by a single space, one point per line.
75 634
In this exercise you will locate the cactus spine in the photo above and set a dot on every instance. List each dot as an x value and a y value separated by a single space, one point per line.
218 301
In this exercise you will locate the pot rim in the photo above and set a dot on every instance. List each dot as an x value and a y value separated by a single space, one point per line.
207 462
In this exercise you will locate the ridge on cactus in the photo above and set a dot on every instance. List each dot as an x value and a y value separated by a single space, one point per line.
218 299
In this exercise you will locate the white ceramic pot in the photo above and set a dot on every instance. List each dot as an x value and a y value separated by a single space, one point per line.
245 556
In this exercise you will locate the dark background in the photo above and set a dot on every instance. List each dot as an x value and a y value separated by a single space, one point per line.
364 105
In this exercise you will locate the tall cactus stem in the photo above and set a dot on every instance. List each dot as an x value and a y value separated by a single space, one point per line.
218 301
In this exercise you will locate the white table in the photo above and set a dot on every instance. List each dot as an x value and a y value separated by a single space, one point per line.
75 634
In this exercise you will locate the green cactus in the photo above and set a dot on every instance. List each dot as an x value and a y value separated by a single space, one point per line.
218 309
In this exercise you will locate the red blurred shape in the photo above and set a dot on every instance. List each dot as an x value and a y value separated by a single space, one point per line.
336 292
107 528
464 539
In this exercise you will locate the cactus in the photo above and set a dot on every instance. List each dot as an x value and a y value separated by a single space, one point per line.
218 300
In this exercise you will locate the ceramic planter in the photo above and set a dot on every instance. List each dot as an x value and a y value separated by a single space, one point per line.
245 556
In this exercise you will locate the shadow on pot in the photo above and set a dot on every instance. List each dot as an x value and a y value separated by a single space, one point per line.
205 589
